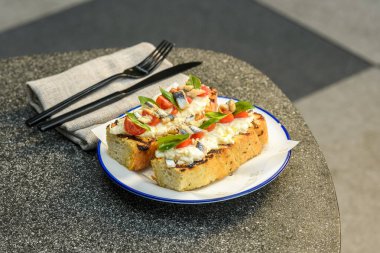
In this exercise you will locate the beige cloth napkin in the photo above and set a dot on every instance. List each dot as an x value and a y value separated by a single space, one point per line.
46 92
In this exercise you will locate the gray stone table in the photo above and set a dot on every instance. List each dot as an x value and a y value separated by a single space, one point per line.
56 197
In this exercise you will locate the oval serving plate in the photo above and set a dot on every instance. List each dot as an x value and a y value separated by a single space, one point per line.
251 176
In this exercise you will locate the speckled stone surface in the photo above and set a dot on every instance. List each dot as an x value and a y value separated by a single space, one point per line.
55 197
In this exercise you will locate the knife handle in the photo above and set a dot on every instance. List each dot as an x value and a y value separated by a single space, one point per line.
69 101
81 111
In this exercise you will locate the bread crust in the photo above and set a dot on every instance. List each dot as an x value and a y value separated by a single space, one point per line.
130 151
217 164
260 126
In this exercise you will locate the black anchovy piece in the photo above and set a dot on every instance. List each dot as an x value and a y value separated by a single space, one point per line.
201 147
150 104
180 98
181 131
195 129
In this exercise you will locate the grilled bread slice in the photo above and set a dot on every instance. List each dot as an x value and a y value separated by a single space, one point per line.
131 151
217 164
135 152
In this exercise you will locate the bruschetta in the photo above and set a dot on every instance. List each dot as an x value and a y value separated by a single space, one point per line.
132 139
226 140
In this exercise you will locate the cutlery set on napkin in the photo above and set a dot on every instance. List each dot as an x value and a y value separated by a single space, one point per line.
79 99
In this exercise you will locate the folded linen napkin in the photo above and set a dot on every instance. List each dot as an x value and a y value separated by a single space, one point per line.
46 92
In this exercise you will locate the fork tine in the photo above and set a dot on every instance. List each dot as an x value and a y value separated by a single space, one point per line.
149 57
152 60
156 57
161 58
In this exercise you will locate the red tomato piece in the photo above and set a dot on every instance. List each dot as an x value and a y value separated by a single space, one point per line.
199 135
132 128
211 127
155 120
185 143
227 119
189 100
206 89
163 103
174 111
241 115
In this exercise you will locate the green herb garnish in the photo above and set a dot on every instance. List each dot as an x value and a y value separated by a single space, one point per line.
170 141
213 118
216 115
143 100
169 96
242 106
134 119
194 81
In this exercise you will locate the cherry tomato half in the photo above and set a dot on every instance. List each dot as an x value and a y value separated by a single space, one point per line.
185 143
132 128
199 135
206 89
211 127
163 103
227 119
241 115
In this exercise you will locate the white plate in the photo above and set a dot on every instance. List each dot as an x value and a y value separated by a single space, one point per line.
250 177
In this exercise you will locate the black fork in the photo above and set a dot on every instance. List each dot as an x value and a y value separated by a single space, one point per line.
152 61
144 68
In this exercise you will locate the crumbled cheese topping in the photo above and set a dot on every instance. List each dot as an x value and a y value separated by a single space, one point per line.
198 105
186 155
222 134
225 133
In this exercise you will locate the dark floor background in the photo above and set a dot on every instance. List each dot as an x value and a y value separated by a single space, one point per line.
294 57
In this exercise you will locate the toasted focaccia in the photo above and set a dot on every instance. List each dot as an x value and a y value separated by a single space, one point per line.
130 151
217 163
135 152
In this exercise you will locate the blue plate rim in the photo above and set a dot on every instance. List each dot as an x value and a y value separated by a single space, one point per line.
203 201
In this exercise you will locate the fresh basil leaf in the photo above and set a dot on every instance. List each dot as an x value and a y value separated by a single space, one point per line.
242 106
167 146
169 96
218 115
213 118
194 81
143 100
170 141
170 138
134 119
208 123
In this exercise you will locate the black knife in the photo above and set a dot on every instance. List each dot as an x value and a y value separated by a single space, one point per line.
116 96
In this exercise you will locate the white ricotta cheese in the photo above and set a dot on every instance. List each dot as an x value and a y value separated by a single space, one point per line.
222 134
186 155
